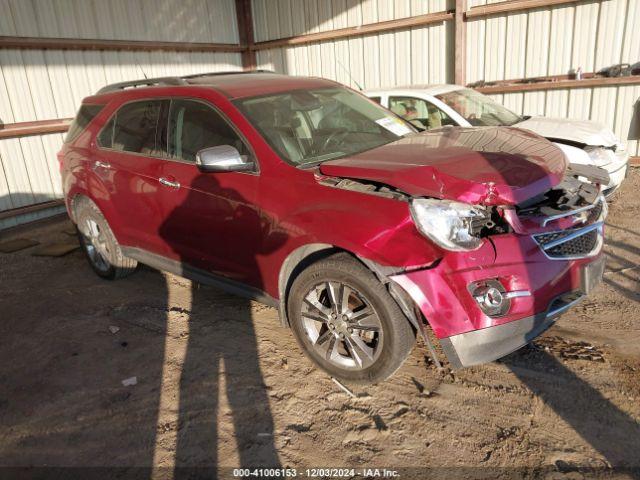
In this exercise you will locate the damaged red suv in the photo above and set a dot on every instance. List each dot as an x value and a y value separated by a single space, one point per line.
305 195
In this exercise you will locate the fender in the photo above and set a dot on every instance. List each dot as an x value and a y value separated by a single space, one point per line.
384 231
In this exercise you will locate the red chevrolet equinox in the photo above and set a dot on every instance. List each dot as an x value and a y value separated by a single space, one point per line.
305 195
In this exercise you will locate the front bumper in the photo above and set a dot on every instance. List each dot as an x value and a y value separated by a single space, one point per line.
488 344
469 336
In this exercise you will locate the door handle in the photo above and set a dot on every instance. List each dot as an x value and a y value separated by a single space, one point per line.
99 164
169 183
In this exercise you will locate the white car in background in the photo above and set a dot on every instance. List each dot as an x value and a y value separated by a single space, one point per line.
435 106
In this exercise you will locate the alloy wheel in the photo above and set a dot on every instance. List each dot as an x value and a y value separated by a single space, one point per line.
95 244
342 326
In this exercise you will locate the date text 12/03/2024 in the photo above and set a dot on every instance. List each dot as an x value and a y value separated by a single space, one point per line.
315 473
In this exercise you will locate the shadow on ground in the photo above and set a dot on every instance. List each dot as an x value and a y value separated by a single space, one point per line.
609 430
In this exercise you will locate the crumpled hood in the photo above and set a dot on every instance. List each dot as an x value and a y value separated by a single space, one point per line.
581 131
488 165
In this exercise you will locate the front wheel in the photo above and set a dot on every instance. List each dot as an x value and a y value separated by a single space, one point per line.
347 323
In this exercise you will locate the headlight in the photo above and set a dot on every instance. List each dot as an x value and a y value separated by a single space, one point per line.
599 155
449 224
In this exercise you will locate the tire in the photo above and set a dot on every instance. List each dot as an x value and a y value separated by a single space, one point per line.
368 307
99 243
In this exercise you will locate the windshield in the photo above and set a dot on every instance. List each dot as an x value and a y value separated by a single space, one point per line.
311 126
478 109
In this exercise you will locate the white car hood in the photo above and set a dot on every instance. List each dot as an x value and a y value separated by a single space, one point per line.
581 131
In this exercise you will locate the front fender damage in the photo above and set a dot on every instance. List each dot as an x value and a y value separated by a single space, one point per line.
404 301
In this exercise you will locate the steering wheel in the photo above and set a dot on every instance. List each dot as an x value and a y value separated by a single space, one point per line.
336 137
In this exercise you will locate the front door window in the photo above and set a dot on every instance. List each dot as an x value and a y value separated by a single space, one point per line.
194 126
419 112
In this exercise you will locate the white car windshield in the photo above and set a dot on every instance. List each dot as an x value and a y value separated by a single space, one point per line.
307 127
478 109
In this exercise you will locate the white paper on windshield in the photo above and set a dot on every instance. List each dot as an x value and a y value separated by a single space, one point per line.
394 125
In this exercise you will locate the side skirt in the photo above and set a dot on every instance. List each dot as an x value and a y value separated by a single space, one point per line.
201 276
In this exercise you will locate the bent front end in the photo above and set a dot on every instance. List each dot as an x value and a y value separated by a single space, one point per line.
487 303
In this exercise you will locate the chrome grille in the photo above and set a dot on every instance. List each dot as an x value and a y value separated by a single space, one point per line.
573 243
547 238
589 213
582 245
595 212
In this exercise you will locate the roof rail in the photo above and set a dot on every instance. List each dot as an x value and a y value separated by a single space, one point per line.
160 81
236 72
147 82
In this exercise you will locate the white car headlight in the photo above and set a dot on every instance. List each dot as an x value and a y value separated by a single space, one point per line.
449 224
599 155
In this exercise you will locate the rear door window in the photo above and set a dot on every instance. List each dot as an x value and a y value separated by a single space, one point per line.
194 126
105 137
83 118
134 128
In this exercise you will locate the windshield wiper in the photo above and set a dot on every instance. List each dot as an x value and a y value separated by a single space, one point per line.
522 119
323 158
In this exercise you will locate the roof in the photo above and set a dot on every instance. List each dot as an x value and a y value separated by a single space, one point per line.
434 89
232 84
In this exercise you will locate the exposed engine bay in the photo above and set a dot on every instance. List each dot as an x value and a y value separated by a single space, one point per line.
569 194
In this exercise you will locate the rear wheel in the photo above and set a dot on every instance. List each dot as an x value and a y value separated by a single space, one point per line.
99 243
346 321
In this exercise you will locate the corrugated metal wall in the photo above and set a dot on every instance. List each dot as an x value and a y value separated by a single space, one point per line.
37 85
542 41
411 56
554 41
41 85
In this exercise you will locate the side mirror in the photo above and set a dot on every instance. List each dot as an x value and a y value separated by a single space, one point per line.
223 158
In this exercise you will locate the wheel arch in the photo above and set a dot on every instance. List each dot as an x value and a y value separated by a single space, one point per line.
74 200
305 255
110 214
295 262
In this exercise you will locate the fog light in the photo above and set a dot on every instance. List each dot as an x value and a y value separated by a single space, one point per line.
492 298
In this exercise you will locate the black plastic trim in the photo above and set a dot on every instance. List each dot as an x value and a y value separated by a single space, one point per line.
192 273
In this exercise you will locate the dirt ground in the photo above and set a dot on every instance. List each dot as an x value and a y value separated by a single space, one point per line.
219 383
